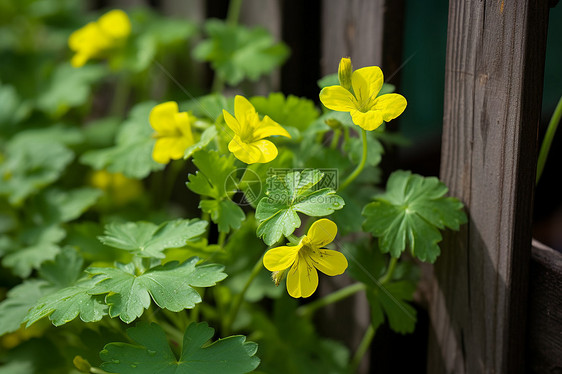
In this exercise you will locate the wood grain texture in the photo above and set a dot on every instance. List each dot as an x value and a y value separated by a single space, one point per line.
352 28
493 91
544 331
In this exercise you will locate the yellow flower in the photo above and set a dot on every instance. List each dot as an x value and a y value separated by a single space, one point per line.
97 38
173 132
248 143
307 257
367 110
120 189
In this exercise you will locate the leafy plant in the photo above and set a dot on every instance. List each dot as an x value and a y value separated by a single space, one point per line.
137 226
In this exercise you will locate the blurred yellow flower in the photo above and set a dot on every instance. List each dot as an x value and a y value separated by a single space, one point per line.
367 110
173 132
119 188
248 143
97 38
306 258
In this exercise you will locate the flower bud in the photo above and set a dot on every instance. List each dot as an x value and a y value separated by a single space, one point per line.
81 364
344 73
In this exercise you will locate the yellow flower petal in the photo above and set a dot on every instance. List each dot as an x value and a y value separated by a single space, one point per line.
329 262
162 117
167 148
322 232
391 105
262 151
338 98
280 258
116 24
302 279
367 121
245 112
183 124
269 127
367 82
231 122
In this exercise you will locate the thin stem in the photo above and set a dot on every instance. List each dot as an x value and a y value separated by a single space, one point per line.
120 97
547 141
237 302
222 238
309 309
172 331
233 12
232 20
362 349
95 370
172 173
335 139
388 275
361 165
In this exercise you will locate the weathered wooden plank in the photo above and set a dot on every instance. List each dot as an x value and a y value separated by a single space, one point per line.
352 28
544 331
493 90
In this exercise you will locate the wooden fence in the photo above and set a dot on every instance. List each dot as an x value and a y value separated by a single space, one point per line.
494 299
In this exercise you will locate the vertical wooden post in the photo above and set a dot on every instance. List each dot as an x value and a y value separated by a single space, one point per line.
493 92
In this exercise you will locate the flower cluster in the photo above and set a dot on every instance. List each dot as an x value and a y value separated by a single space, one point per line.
97 38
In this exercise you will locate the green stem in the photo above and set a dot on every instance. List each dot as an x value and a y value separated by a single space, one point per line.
335 139
388 275
231 20
361 165
547 141
95 370
172 331
237 302
222 238
120 97
309 309
362 349
233 12
172 174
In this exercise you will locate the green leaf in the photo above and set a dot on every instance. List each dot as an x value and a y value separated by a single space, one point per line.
66 296
70 87
291 345
225 213
390 301
12 109
64 270
68 303
287 111
23 260
169 285
354 147
215 177
132 153
146 239
410 214
152 353
30 164
289 194
238 52
206 137
18 301
57 206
